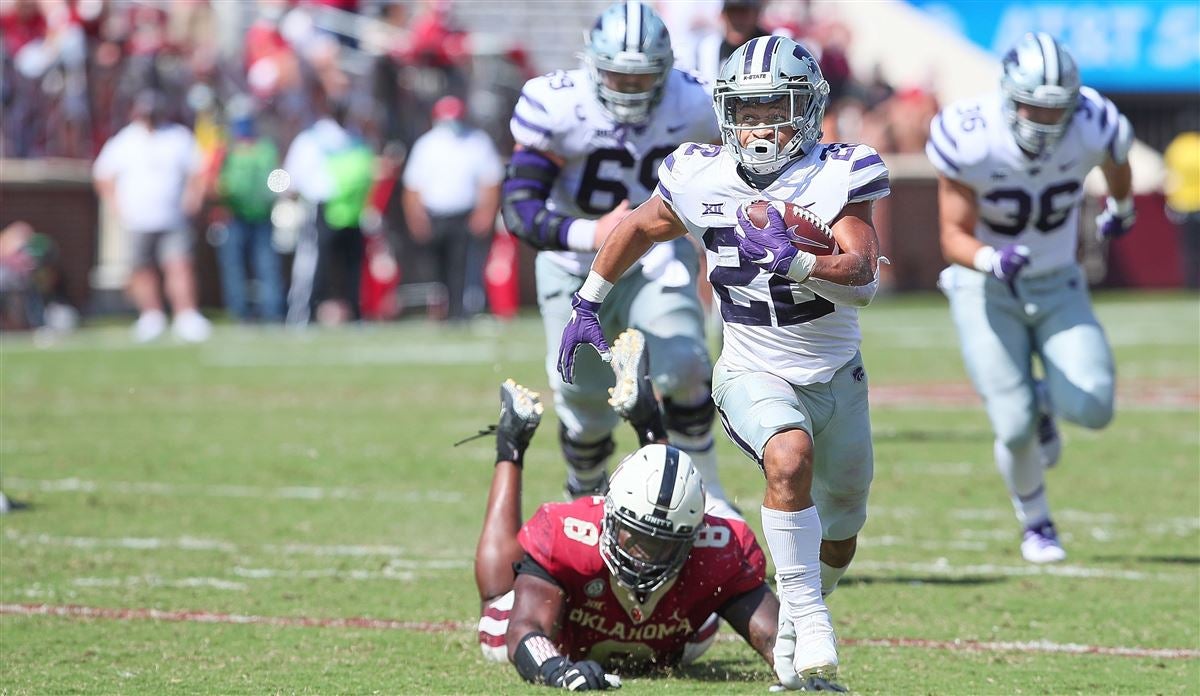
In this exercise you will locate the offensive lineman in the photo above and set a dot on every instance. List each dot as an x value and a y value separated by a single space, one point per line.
1011 168
589 142
790 384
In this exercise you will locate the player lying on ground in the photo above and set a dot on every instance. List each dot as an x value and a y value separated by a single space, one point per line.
632 580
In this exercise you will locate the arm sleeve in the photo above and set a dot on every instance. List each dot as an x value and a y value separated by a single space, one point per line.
531 174
527 185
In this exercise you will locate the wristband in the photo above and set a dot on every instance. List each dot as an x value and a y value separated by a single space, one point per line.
534 652
985 259
595 288
581 235
802 266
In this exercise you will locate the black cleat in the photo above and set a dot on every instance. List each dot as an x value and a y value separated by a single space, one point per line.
520 414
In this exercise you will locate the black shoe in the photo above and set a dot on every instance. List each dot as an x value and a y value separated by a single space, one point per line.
520 414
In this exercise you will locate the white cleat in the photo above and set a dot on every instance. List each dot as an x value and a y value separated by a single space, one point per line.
1041 544
631 395
806 659
816 647
149 326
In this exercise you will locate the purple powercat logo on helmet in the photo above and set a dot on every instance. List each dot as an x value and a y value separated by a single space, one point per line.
802 53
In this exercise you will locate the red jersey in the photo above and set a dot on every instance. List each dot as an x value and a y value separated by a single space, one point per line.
603 620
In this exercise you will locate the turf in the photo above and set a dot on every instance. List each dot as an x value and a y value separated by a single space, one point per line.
276 474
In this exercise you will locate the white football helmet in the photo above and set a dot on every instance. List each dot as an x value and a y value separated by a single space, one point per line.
771 70
652 514
1038 71
629 57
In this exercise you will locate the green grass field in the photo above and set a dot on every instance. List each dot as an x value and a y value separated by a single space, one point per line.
310 476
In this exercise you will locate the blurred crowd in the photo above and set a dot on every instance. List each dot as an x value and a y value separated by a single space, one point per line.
341 90
336 92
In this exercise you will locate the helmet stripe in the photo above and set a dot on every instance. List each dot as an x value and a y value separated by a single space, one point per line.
1049 58
666 488
633 25
750 49
769 51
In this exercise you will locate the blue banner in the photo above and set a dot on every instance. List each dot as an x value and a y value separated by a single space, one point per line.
1120 46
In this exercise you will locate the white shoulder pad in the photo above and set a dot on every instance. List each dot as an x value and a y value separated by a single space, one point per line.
1105 130
958 139
678 169
545 105
868 179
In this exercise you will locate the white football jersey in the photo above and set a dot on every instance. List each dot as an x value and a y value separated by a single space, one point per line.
605 162
1023 200
772 324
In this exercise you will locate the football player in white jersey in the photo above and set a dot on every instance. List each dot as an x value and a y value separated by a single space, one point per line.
1011 168
589 143
790 384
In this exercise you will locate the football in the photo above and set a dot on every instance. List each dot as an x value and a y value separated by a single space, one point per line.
806 231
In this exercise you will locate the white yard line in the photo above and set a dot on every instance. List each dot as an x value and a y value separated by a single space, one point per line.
156 581
1168 526
76 485
943 567
1036 646
134 614
199 544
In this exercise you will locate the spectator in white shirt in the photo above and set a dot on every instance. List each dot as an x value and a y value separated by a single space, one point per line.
150 173
451 194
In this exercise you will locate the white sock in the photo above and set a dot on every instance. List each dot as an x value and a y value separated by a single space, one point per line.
1023 473
830 577
794 539
703 452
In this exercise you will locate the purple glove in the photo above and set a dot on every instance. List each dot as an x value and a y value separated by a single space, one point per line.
583 328
1009 261
767 247
1116 220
